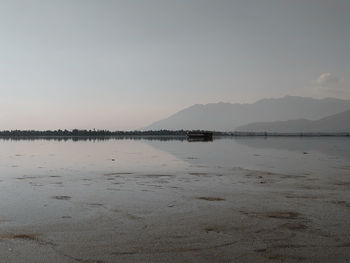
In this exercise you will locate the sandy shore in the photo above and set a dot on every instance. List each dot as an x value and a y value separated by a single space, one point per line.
227 216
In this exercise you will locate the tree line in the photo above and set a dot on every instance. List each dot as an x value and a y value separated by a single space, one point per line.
88 133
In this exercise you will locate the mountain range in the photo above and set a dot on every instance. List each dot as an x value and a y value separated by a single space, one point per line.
335 123
229 117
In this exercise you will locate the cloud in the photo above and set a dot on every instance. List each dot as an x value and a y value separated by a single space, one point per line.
326 80
330 85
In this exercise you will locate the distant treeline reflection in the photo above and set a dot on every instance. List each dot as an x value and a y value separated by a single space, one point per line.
91 135
163 135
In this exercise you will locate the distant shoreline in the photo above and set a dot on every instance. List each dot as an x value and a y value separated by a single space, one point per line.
158 135
291 134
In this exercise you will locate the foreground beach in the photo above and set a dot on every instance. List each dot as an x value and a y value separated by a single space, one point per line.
276 200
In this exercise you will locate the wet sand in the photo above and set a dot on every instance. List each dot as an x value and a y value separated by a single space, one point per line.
198 213
255 217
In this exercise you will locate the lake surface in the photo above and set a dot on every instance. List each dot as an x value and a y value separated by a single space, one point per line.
134 183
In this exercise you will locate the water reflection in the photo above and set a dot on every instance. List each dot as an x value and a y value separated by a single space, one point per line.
106 169
335 146
292 155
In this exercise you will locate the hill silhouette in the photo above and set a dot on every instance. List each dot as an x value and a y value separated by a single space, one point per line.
227 116
335 123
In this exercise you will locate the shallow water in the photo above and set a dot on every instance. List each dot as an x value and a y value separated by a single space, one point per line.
52 181
123 200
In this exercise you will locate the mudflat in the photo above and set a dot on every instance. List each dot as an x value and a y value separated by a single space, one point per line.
224 201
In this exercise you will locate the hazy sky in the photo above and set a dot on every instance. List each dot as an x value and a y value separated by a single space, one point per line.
124 64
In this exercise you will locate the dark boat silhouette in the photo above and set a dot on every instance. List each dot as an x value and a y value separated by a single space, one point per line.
199 135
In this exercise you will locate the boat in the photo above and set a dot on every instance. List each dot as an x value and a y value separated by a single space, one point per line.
199 135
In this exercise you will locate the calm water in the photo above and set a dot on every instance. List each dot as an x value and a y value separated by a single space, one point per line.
52 181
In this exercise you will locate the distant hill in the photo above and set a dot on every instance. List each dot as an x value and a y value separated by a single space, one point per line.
335 123
227 117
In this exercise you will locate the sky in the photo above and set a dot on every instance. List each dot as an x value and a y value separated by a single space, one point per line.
122 65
